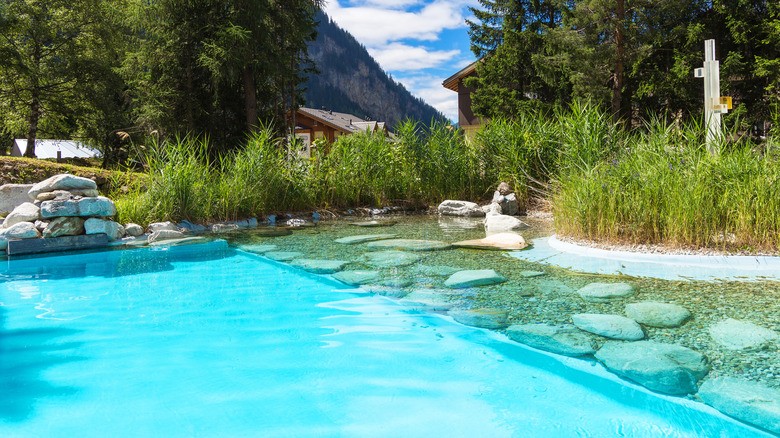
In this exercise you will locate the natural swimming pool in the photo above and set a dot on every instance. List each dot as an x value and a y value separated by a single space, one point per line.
204 340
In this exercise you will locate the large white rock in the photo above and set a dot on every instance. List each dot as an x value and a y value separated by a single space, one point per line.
157 226
84 207
502 222
134 230
740 335
460 208
165 235
12 196
22 230
61 182
27 212
113 230
499 241
657 314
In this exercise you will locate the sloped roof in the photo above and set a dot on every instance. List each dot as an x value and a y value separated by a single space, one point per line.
49 148
343 122
453 81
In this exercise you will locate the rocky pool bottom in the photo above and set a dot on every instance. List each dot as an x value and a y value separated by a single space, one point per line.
731 331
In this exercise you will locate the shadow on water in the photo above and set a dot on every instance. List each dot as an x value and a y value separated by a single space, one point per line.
24 356
110 263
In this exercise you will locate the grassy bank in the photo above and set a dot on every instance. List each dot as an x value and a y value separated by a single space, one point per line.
656 184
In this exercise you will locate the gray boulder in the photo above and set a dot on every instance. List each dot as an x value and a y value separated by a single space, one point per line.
610 326
508 203
501 222
492 208
165 235
566 340
12 196
64 226
460 208
603 292
134 230
99 206
61 182
748 401
22 230
26 212
113 230
666 368
740 335
223 228
657 314
485 318
41 225
157 226
472 278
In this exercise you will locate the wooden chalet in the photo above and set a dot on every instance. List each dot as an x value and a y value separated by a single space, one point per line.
466 118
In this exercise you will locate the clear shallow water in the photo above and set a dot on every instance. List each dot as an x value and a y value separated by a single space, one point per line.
203 340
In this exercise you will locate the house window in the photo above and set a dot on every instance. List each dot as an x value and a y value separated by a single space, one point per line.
318 135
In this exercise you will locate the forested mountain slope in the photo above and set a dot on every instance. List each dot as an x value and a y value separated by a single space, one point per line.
350 81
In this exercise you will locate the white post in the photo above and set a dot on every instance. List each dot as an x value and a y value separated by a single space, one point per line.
713 107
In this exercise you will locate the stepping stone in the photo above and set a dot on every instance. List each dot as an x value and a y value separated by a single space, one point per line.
372 224
480 277
392 292
744 400
409 245
178 242
319 266
740 335
452 207
500 241
484 318
666 368
603 292
257 248
282 256
396 282
436 271
387 259
567 340
657 314
356 278
610 326
531 274
271 232
502 222
363 238
431 299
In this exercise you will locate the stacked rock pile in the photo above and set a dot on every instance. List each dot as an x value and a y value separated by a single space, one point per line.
63 205
498 214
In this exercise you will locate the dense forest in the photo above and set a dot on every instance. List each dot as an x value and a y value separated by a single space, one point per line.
114 72
349 80
634 58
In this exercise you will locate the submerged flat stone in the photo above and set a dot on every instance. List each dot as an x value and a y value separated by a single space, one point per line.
610 326
409 245
666 368
500 242
388 291
436 270
472 278
317 266
257 248
387 259
363 238
356 278
745 400
373 224
179 242
396 282
566 340
484 318
271 232
657 314
603 292
282 256
531 274
740 335
430 299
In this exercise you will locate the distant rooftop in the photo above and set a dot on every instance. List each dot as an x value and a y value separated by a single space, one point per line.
49 149
343 121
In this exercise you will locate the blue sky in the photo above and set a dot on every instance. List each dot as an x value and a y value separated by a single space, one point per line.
419 42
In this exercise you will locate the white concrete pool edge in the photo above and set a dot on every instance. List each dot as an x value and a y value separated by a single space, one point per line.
551 250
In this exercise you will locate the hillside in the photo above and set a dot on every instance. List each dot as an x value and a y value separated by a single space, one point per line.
350 81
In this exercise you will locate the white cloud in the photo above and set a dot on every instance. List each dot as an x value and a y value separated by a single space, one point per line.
373 25
430 89
402 57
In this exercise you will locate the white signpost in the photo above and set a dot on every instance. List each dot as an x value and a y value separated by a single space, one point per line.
714 104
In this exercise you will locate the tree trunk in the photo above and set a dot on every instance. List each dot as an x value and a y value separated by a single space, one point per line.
250 99
618 82
35 115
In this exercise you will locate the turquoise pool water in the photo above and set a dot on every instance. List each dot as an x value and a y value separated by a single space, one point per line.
203 340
